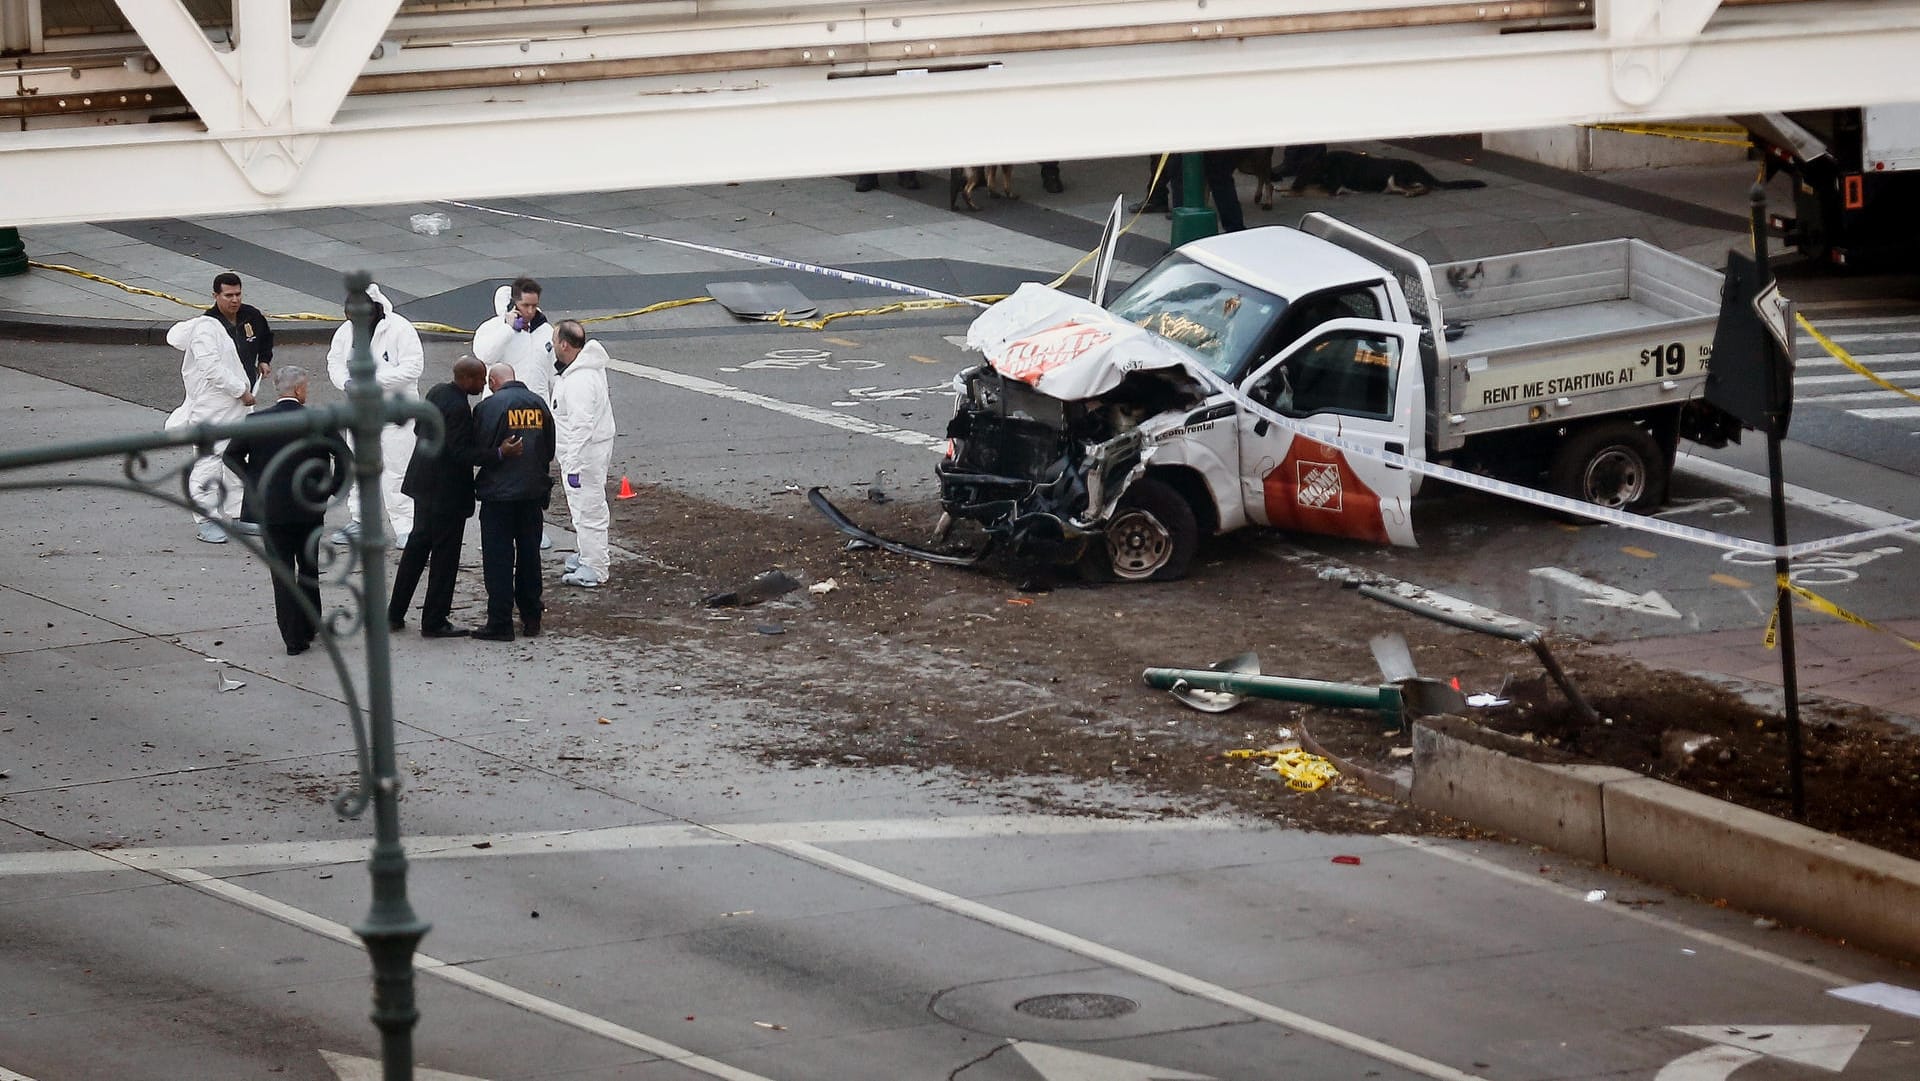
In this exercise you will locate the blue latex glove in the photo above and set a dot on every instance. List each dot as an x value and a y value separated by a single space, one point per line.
573 480
519 323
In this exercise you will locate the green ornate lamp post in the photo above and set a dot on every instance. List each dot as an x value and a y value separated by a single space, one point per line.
13 254
391 930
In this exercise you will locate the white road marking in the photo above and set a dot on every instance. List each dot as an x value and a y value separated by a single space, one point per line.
1895 412
357 1068
461 977
604 839
1859 396
1120 959
1887 996
1649 603
9 1075
1061 1064
1850 377
1832 506
1456 854
828 417
1823 1047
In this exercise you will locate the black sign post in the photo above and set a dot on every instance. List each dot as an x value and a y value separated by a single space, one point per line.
1751 377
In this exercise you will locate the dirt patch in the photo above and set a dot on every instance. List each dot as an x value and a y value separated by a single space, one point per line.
995 677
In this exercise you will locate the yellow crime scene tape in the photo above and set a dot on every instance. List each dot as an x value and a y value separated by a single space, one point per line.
1825 607
1304 771
1717 134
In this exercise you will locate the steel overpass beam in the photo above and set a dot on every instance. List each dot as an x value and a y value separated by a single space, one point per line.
796 121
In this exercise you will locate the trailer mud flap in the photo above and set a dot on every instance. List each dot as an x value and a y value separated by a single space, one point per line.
818 497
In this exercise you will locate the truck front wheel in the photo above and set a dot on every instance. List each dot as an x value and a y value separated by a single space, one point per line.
1616 465
1151 537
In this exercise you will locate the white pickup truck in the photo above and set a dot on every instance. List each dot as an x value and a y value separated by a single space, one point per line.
1117 437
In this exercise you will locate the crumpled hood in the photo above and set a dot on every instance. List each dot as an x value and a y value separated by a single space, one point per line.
592 355
374 294
181 334
502 299
1069 348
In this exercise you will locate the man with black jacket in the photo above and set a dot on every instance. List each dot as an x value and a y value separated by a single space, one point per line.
513 491
253 339
441 486
292 521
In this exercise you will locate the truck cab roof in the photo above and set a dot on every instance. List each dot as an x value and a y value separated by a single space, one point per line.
1281 260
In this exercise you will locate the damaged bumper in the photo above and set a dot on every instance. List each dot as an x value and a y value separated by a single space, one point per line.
821 503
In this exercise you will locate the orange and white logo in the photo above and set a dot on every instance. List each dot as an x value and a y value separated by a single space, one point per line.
1030 358
1320 486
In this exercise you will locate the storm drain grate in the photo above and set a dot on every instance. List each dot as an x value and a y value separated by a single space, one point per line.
1077 1006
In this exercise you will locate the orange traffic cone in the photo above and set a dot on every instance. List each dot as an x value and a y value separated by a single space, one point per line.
626 489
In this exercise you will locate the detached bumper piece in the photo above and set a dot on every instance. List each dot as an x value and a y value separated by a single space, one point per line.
818 497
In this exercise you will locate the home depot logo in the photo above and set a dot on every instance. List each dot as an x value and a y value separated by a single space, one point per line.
1030 358
1319 485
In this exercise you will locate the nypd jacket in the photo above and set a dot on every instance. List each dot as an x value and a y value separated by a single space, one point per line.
515 410
251 335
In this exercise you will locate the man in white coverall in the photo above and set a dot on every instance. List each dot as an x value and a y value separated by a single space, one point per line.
218 391
583 437
520 336
398 360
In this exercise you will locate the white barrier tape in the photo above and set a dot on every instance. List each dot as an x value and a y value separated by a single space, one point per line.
751 257
1641 522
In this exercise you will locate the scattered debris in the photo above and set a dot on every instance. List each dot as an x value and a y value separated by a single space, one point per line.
604 720
1400 752
1483 700
1207 701
221 681
764 586
771 1025
875 493
823 587
1596 896
769 628
858 545
430 224
1766 924
1347 861
483 844
1680 746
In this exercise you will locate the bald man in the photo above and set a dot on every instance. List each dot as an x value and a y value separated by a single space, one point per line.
440 484
513 494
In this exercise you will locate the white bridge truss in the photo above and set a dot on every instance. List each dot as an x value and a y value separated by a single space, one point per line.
113 109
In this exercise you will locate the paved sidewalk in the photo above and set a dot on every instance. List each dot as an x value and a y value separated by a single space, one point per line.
292 263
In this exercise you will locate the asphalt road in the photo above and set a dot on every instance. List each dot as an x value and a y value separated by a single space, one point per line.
631 900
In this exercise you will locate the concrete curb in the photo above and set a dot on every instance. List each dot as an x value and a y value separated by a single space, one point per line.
31 327
1668 834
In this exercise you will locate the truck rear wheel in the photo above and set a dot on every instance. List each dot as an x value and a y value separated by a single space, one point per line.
1151 537
1616 465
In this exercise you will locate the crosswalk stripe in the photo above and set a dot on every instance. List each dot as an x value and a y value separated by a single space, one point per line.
1855 396
1850 377
1897 412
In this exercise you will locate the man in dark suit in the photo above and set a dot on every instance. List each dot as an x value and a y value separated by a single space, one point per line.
441 486
291 519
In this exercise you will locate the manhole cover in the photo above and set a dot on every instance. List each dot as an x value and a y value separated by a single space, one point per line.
1077 1006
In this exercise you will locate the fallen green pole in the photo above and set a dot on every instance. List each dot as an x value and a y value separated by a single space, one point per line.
1384 699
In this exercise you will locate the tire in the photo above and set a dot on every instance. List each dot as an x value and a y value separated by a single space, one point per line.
1151 537
1615 464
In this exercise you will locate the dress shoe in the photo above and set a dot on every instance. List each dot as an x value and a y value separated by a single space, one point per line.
910 180
1150 206
396 624
296 650
1051 182
530 628
494 634
448 630
866 182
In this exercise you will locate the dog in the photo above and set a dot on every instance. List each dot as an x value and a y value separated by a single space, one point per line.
963 182
1338 171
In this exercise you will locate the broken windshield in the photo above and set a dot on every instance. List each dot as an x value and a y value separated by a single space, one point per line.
1217 319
